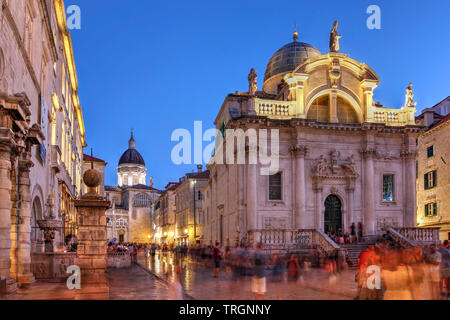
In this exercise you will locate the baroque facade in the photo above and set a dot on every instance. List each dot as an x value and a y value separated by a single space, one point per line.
41 135
129 217
343 159
433 175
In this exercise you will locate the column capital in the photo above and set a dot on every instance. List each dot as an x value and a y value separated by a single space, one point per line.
368 152
408 155
300 151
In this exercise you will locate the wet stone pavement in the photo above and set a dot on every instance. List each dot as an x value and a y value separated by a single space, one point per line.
197 282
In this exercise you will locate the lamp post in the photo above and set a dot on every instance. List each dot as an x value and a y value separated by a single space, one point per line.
195 220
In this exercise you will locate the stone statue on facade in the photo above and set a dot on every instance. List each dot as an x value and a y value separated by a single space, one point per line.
334 38
252 82
350 165
409 99
322 165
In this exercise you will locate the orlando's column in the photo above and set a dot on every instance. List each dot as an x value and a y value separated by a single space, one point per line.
92 255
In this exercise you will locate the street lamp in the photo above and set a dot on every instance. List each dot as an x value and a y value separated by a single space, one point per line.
195 220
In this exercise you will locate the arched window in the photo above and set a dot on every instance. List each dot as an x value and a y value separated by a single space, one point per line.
142 200
345 112
121 222
320 109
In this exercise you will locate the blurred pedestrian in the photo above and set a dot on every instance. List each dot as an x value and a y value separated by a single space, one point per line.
217 256
259 277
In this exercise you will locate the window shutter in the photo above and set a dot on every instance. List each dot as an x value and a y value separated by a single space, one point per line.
435 209
426 181
434 178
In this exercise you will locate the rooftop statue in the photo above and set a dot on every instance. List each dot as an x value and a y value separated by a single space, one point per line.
334 38
252 83
409 99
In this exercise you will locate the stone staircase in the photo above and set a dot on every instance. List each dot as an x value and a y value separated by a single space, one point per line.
353 251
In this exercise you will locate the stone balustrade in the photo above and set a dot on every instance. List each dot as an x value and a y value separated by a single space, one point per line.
295 238
275 108
420 235
119 260
394 117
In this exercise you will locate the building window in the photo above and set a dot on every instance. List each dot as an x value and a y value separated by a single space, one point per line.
388 187
430 151
431 209
430 180
275 186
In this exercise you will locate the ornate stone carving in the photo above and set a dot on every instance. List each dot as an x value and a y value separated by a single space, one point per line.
334 73
299 150
335 167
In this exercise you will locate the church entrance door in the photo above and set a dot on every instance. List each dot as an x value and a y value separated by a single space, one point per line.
333 214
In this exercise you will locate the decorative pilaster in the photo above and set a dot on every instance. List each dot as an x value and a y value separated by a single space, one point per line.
299 153
318 221
369 191
5 208
410 212
24 275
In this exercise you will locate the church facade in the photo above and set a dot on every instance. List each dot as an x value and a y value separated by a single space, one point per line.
343 159
129 217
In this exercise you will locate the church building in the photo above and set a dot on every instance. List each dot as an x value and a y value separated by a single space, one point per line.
129 217
343 159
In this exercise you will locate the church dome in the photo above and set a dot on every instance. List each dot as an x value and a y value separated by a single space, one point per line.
289 57
131 156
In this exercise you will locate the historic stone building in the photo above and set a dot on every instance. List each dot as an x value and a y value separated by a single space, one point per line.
41 138
163 216
343 159
433 174
189 217
129 217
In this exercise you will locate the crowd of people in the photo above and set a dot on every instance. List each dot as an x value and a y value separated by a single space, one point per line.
385 271
404 273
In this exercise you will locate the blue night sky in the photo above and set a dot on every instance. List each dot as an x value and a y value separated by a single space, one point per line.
156 66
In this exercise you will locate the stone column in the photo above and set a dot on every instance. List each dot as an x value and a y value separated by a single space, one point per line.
410 219
300 187
318 225
5 209
350 191
251 196
24 275
333 107
369 192
92 256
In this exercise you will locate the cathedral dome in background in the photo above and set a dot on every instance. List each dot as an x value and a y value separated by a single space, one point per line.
131 156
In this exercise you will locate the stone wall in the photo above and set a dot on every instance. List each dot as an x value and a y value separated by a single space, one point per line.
52 267
119 260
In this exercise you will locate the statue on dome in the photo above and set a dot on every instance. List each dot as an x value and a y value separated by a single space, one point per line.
334 38
252 82
409 99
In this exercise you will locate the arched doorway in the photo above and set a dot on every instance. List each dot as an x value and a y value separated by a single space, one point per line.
36 234
333 214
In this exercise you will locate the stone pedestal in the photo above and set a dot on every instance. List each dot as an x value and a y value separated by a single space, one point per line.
92 256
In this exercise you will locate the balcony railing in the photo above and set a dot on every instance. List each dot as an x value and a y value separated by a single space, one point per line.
295 238
394 117
274 108
411 237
